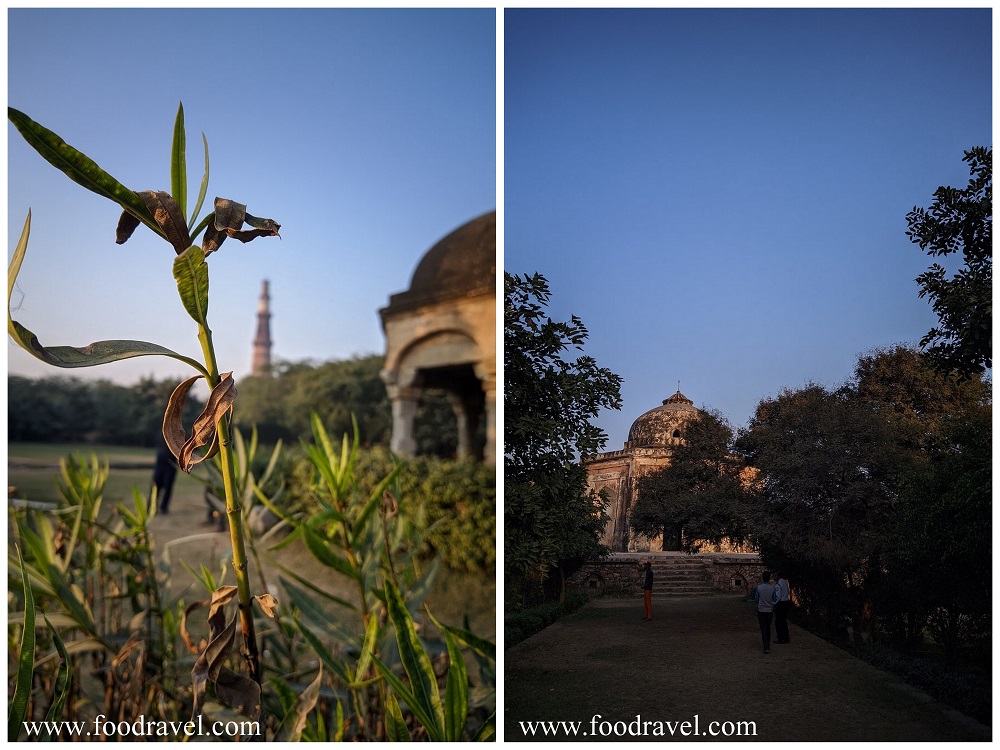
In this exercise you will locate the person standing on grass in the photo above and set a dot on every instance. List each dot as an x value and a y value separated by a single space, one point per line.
647 592
781 605
164 473
764 596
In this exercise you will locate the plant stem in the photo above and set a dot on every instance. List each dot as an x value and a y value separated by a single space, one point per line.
235 515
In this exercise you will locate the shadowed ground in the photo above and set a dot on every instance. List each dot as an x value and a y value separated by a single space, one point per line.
702 657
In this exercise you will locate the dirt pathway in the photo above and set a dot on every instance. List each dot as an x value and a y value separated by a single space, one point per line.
702 657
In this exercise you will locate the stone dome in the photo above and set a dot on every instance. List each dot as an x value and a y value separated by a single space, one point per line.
664 425
461 264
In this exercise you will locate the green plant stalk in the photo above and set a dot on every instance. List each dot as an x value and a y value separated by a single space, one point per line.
235 514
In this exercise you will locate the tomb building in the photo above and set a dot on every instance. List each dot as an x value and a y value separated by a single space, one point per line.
650 445
441 334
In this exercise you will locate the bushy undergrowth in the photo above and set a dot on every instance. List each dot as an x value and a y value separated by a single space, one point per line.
527 622
453 502
967 691
957 683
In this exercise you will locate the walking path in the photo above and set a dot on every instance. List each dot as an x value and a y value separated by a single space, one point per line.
701 657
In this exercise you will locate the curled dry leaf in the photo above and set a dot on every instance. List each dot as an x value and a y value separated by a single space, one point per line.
238 692
185 635
168 217
204 431
390 506
209 665
268 604
229 219
216 617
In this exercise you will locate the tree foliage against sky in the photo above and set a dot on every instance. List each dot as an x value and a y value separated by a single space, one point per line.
960 221
550 400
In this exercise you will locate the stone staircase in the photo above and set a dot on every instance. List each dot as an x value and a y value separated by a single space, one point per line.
679 575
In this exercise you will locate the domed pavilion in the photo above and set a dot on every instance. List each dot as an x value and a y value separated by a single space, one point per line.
651 441
441 334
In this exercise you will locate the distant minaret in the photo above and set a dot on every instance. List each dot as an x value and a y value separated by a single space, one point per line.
262 341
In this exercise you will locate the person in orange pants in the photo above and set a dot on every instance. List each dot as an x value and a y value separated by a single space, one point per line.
647 592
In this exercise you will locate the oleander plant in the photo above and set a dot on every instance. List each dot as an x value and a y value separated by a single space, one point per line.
94 632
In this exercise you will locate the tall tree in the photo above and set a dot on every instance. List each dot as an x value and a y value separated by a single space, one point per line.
828 477
960 221
697 499
550 516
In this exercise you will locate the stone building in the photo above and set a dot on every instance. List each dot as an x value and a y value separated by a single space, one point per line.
649 447
441 334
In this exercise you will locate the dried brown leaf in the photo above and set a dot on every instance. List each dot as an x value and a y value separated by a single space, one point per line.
268 604
184 631
127 224
169 218
229 219
209 664
216 613
173 427
238 692
204 431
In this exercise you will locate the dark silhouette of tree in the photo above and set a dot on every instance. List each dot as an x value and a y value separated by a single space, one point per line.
550 516
960 221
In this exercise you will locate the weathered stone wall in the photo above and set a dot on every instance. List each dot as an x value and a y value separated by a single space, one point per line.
611 577
621 573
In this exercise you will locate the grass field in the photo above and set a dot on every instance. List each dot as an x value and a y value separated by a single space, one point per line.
33 470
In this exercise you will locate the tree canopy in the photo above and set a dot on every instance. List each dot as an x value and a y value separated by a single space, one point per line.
960 221
874 497
698 498
550 398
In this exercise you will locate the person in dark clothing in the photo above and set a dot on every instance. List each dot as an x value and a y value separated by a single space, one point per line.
164 473
764 596
647 592
782 603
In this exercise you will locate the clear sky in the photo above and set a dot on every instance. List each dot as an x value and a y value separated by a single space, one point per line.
721 195
367 134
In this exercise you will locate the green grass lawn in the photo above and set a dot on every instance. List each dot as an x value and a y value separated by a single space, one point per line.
33 469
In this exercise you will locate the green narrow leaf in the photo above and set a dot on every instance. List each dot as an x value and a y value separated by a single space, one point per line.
416 662
395 725
98 353
434 733
79 167
456 692
467 638
290 729
25 660
202 192
191 274
486 732
178 163
365 657
325 657
61 689
322 552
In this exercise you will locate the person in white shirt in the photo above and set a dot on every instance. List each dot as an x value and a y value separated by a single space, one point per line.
764 596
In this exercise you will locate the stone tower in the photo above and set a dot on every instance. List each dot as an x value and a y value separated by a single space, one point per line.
261 366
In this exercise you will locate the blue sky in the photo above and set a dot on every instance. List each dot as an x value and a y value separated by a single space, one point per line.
367 134
721 195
